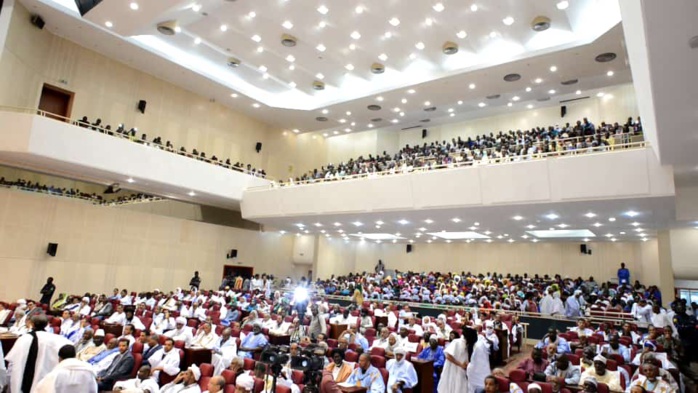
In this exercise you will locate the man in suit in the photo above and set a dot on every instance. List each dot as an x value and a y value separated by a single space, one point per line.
153 346
120 367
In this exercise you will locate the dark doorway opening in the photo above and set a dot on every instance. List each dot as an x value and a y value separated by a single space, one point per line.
56 101
235 270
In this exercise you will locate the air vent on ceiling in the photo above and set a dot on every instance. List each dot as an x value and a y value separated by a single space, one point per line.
493 96
512 77
569 82
321 118
377 120
168 28
410 128
540 23
425 120
288 40
430 109
543 99
374 107
606 57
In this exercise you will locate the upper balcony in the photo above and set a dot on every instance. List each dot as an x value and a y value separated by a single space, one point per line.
32 140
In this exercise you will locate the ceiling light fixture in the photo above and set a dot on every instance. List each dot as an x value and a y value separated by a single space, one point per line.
428 21
196 7
260 49
256 38
411 91
517 218
529 106
456 220
234 95
473 8
322 24
321 48
292 85
578 92
251 15
359 10
552 216
290 58
551 92
349 67
287 25
508 21
471 86
461 34
379 98
323 10
632 213
612 219
355 35
538 80
598 224
291 67
388 34
403 222
394 21
553 68
563 5
197 41
528 90
256 105
427 103
383 57
134 6
108 24
438 7
610 73
419 45
482 105
320 76
590 215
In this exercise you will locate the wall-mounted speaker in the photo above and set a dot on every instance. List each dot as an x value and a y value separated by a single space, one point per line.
583 248
52 249
424 133
563 110
408 249
141 106
38 21
258 147
232 254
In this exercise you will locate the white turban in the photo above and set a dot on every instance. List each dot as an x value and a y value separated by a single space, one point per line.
534 386
245 381
196 371
99 333
181 320
599 358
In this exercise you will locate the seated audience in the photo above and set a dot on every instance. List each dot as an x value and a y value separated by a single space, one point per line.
120 367
602 375
142 383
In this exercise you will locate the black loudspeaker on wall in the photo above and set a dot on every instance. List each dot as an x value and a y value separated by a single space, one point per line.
38 21
141 106
584 249
424 133
232 254
52 249
258 147
409 248
563 110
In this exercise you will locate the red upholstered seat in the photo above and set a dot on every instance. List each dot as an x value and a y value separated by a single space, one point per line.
384 374
137 347
282 389
258 385
618 358
248 364
503 384
206 370
517 375
351 356
574 359
203 383
378 351
378 361
179 344
297 377
602 388
138 359
229 389
229 377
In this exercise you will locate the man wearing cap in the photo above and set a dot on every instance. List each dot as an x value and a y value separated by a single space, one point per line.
181 332
561 373
186 382
591 385
130 319
253 342
141 384
244 383
651 380
85 308
87 352
402 374
599 372
85 341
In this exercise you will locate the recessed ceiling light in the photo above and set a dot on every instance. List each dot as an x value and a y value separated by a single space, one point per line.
551 92
419 45
290 58
323 10
612 219
383 57
359 9
262 68
563 226
260 49
598 224
553 68
349 67
256 38
461 34
515 98
609 235
635 224
322 24
355 35
325 135
488 233
134 6
476 223
370 125
590 215
321 48
529 106
456 220
530 226
296 131
622 233
632 213
108 24
320 76
552 216
404 100
411 91
224 27
528 90
291 67
610 73
395 120
450 110
473 8
614 239
538 80
234 95
394 21
130 180
342 121
428 21
493 34
460 102
325 111
265 76
452 115
600 94
256 105
438 7
379 98
197 41
292 85
482 105
192 193
471 86
352 46
349 114
251 15
517 218
403 222
177 29
563 5
196 7
427 103
578 92
510 104
508 21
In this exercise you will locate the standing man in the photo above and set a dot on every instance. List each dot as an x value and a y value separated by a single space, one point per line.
70 375
623 275
195 281
34 355
47 291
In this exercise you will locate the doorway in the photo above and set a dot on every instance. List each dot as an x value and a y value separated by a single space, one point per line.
56 101
234 270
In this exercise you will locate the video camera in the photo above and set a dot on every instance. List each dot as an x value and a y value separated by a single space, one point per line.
311 362
276 356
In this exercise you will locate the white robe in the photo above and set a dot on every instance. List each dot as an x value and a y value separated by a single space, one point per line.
479 366
401 372
3 370
46 359
546 305
70 375
453 377
183 334
168 360
222 360
179 388
137 386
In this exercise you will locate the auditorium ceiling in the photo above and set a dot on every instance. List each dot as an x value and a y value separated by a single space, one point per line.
413 63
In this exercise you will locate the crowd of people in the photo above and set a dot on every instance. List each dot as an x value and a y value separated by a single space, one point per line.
97 199
581 137
132 135
238 321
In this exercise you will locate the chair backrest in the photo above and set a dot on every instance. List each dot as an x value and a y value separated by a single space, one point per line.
179 344
137 347
378 361
282 389
351 356
574 359
229 376
517 375
618 358
611 365
503 384
138 359
602 388
203 383
248 364
297 376
229 389
384 374
377 351
258 385
206 369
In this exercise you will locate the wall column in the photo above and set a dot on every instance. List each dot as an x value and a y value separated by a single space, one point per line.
665 276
